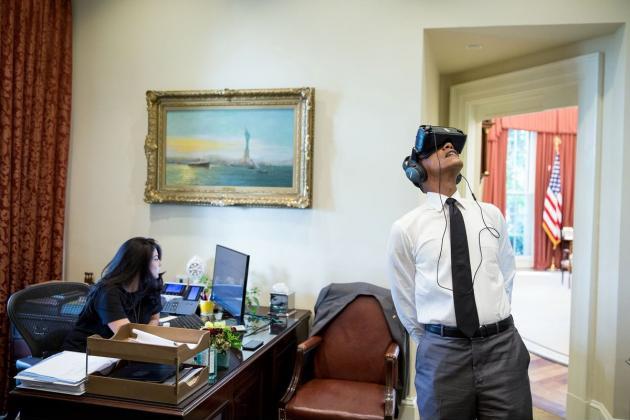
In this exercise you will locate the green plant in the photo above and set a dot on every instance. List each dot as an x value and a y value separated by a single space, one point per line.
223 337
207 284
251 299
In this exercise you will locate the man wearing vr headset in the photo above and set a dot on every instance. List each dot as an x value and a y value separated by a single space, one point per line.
451 268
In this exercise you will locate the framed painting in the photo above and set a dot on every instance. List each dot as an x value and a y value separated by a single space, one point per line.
230 147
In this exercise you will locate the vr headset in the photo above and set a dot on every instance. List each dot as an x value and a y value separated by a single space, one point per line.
429 139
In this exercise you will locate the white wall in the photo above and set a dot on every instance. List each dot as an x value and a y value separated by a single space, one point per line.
613 334
366 73
622 381
365 59
430 84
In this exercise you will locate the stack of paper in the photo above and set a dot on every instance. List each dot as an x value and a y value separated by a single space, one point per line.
185 374
64 372
148 338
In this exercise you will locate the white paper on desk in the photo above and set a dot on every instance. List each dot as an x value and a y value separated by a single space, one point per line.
184 375
60 387
67 367
148 338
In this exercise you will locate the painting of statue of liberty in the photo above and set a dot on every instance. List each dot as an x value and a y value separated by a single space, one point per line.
230 147
245 147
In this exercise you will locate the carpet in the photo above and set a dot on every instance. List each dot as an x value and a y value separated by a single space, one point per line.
541 307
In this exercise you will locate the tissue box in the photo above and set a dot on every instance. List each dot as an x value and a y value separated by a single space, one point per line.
281 304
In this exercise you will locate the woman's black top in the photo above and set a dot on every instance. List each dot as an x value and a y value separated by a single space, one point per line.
110 303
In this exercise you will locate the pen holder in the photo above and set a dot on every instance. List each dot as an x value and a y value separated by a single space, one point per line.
206 307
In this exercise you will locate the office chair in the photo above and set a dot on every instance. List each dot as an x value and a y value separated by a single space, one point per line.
43 314
347 372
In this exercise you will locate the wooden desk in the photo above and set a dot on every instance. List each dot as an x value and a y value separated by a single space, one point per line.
249 389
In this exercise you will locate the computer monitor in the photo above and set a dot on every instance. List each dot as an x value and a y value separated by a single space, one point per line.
229 281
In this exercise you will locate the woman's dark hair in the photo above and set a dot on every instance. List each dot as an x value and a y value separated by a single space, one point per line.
133 258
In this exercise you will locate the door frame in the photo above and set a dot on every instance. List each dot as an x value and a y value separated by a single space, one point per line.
577 80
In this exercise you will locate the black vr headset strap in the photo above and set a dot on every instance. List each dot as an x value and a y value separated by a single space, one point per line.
425 130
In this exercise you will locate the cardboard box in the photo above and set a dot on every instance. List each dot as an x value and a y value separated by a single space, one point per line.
121 347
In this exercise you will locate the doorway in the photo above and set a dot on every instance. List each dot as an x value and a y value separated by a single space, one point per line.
560 84
528 164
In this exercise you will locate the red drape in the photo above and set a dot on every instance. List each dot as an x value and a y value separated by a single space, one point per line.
496 159
35 98
543 250
547 124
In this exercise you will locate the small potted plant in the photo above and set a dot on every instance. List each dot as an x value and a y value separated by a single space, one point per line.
207 286
252 302
222 339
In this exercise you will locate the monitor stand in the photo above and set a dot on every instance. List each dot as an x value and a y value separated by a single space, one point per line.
230 322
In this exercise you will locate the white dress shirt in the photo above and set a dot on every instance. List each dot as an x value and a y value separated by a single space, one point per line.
413 271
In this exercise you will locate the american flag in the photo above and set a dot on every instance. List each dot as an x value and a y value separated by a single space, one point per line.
552 208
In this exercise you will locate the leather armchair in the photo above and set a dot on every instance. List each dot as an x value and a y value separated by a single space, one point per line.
347 372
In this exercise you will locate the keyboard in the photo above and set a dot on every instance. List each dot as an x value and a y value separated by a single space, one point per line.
192 322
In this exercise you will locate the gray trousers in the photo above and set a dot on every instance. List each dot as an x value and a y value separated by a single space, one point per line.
482 378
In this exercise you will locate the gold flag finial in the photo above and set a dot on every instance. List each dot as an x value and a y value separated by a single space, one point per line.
556 143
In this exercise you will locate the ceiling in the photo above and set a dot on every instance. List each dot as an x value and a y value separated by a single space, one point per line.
460 49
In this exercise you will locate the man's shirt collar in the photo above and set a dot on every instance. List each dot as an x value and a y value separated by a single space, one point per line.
436 201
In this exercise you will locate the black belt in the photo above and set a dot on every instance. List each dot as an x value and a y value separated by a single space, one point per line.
483 331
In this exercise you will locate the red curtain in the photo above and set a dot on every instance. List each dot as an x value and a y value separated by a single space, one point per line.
496 159
543 249
547 124
35 98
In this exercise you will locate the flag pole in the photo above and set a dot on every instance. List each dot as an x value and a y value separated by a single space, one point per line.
556 148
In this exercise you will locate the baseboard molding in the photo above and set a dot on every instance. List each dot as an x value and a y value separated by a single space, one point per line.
409 409
598 409
578 409
546 352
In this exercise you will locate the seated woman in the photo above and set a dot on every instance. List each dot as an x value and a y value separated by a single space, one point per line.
129 291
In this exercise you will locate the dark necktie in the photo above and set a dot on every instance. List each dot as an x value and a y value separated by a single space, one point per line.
463 293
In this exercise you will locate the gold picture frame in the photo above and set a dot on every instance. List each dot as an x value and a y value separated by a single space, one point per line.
230 147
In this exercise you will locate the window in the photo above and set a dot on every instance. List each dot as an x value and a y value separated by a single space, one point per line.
520 178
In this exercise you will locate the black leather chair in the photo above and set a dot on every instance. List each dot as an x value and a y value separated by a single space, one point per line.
43 314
